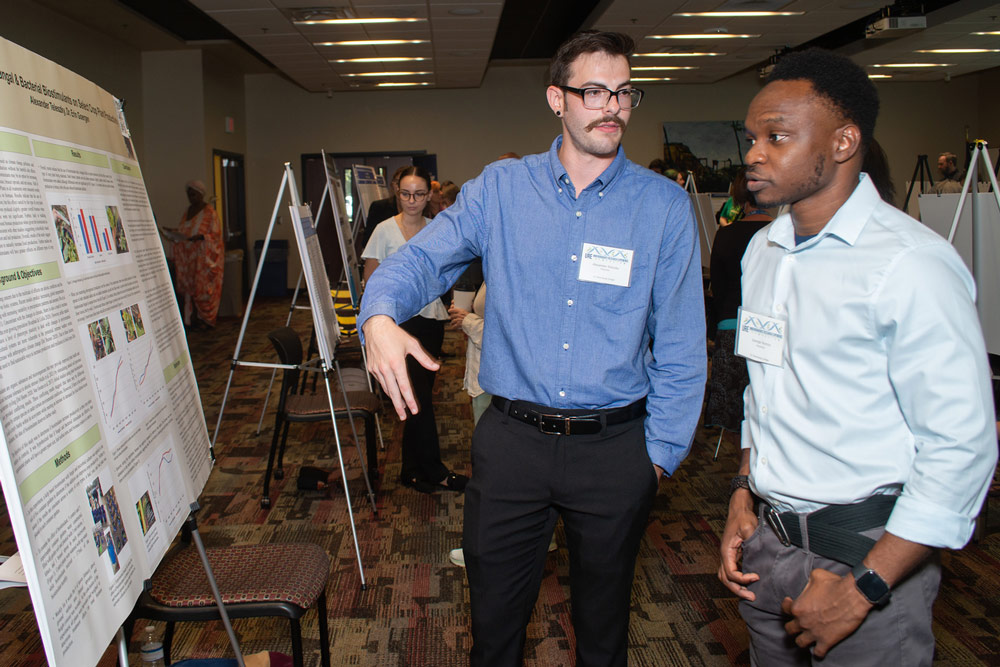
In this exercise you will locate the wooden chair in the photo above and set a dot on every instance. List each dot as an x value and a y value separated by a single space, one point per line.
294 405
255 580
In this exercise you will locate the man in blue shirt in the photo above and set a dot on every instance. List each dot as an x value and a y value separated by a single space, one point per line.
593 348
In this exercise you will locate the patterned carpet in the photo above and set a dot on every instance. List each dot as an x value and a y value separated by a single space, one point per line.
414 611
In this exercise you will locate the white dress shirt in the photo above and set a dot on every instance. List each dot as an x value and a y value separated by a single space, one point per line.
884 385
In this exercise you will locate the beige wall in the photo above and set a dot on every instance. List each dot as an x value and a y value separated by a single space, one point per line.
467 128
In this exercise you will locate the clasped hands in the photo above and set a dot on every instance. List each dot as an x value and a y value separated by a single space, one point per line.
828 609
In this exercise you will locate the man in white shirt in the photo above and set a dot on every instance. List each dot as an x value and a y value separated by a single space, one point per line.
868 435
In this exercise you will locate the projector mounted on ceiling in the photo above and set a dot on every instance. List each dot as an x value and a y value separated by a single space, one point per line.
894 26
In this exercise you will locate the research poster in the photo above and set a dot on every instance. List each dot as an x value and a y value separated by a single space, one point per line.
103 435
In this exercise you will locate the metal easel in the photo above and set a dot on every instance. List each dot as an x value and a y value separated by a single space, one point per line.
326 362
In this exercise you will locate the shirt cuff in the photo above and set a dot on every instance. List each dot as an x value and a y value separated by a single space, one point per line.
369 310
666 456
930 525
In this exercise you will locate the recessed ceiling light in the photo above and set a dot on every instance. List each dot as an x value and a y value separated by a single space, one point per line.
354 21
704 35
725 15
655 68
994 33
465 11
957 51
686 54
388 74
372 42
911 65
647 79
389 59
879 76
397 84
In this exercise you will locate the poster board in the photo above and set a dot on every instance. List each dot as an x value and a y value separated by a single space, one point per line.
704 213
348 253
104 443
324 314
938 213
370 186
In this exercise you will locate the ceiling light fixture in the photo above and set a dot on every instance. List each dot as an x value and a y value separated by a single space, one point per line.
397 84
704 35
957 51
991 33
647 79
388 74
879 76
388 59
354 21
678 54
655 68
372 42
726 15
912 65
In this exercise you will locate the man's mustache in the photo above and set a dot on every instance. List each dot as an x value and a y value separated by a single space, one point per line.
607 119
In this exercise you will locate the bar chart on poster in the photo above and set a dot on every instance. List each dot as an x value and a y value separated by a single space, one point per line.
103 443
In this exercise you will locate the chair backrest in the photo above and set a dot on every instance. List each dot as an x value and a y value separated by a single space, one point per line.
288 345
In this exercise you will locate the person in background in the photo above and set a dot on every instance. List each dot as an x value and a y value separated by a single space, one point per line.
199 259
868 439
422 468
434 200
382 209
657 165
951 176
449 193
728 378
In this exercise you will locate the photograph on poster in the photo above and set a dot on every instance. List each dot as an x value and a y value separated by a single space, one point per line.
64 230
117 229
101 338
144 508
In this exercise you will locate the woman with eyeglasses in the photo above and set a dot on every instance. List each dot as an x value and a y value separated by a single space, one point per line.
422 468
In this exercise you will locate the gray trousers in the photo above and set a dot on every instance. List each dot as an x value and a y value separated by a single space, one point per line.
897 634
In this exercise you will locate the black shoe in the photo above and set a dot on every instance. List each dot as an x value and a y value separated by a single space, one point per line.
454 482
419 485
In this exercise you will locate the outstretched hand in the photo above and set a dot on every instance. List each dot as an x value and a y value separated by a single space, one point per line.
387 347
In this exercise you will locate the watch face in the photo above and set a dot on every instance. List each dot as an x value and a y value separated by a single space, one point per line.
873 587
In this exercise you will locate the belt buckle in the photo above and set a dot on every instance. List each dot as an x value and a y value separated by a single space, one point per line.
556 419
774 521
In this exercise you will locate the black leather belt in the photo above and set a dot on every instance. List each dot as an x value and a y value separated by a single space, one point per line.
553 421
833 531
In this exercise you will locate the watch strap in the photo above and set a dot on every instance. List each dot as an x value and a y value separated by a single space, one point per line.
739 482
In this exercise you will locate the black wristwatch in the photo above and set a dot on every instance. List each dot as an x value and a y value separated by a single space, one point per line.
739 482
871 585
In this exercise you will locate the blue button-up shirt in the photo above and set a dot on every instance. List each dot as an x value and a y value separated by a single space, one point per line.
549 337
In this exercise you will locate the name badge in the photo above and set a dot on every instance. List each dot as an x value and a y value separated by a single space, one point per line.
760 337
606 265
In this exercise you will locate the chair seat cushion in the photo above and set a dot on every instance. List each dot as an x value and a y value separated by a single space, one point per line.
312 405
291 572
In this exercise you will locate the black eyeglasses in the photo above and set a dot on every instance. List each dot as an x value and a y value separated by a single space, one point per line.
597 98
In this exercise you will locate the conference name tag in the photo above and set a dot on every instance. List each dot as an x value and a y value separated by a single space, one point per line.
606 265
760 337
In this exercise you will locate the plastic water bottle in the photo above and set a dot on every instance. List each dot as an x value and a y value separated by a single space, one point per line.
152 648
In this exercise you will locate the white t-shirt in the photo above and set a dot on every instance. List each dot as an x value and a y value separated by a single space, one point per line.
387 239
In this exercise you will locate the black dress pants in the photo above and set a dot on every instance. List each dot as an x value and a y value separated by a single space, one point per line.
602 485
421 455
